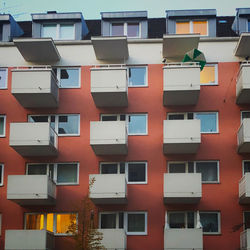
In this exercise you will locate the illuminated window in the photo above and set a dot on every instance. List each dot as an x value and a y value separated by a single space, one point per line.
186 27
64 222
182 28
200 27
209 75
34 221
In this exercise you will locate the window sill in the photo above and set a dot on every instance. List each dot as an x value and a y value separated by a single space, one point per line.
209 84
212 234
68 135
139 86
136 134
67 184
134 233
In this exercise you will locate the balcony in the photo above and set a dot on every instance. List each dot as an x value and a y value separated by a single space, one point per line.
114 238
108 189
33 139
181 84
183 238
109 137
245 240
109 86
243 84
182 188
244 189
181 136
28 240
243 46
31 190
35 88
244 136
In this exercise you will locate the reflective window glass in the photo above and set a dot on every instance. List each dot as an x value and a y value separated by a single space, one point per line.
137 124
137 76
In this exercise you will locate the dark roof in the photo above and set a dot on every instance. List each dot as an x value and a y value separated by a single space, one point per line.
94 27
26 26
156 27
224 26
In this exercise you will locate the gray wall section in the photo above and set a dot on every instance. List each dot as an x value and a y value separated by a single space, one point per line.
170 26
144 29
6 32
212 27
105 28
36 30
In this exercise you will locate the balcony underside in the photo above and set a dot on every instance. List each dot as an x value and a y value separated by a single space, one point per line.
114 149
181 200
244 148
106 201
110 99
50 201
44 150
181 148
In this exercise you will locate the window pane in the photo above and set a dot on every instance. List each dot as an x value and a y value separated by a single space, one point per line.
245 114
67 173
246 220
208 170
63 223
40 118
2 125
246 167
68 124
1 32
122 167
176 220
36 169
117 29
49 30
190 167
1 174
177 168
137 76
207 75
133 30
3 78
136 222
209 222
176 117
50 222
121 220
67 31
109 118
208 122
182 28
136 172
200 27
109 168
190 220
137 124
34 221
69 78
108 220
248 26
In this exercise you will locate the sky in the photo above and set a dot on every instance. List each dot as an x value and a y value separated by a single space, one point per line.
21 9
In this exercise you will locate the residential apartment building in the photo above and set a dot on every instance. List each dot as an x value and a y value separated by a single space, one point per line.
110 100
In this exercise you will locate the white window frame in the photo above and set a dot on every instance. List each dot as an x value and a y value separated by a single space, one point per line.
241 118
185 212
219 222
0 224
185 114
195 162
6 82
4 126
191 25
58 30
55 165
126 170
216 83
57 122
125 28
146 76
243 161
58 71
116 219
2 174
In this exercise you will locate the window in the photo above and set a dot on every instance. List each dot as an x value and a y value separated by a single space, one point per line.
129 29
137 76
210 222
1 175
245 114
2 125
59 223
1 36
246 167
58 31
209 169
246 219
197 26
61 173
137 123
181 219
209 75
136 172
3 78
248 25
0 224
135 223
68 77
64 125
209 120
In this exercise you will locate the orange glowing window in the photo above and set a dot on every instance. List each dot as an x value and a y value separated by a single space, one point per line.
208 75
50 222
34 221
64 223
200 27
182 27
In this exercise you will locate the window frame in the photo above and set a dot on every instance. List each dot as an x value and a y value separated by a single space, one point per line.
116 219
125 28
4 126
216 83
146 76
191 25
127 169
2 175
55 166
58 74
219 222
57 122
241 112
185 212
6 82
0 224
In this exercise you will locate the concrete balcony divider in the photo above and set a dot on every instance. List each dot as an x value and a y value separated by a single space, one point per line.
31 190
114 238
244 189
35 87
244 136
33 139
243 84
109 137
182 188
29 240
245 240
108 188
183 238
181 84
181 136
109 86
